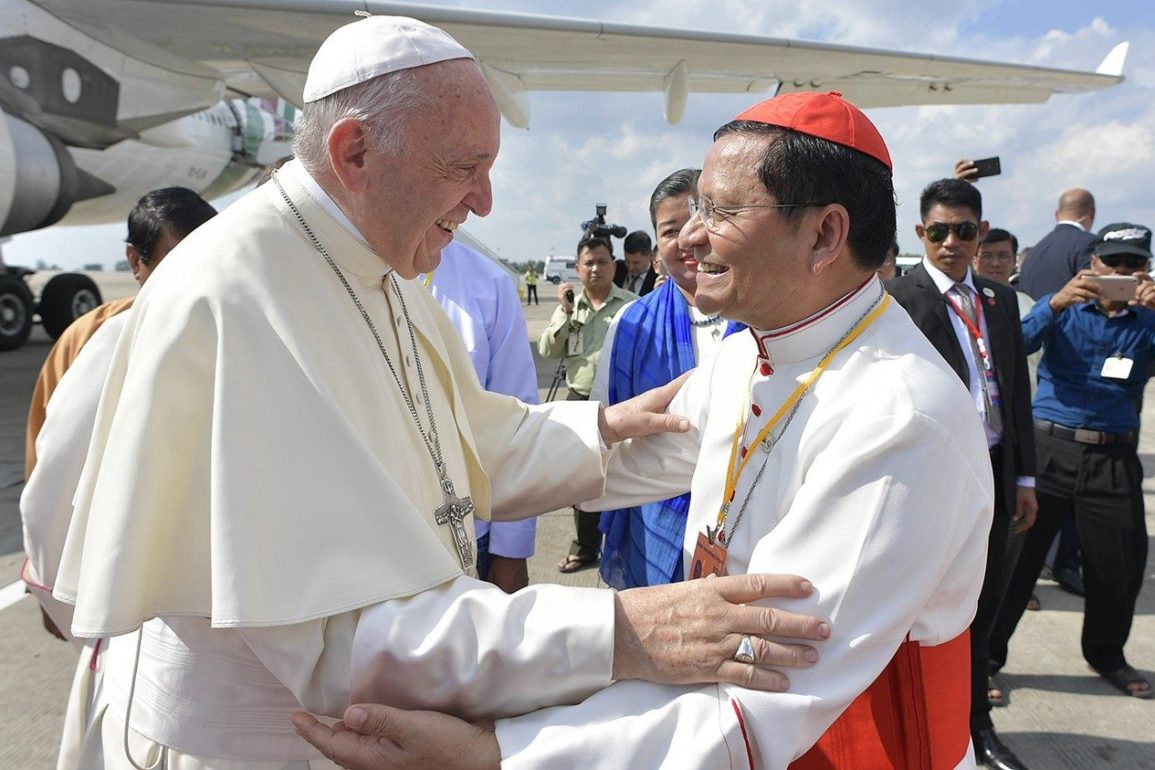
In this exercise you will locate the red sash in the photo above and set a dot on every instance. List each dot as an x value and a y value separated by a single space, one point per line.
914 716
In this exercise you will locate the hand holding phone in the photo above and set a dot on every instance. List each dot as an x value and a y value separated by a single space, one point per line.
1119 288
970 170
987 167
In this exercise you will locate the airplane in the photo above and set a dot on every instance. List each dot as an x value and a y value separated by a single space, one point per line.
104 100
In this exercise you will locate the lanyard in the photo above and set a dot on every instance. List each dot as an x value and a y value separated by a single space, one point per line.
975 329
737 466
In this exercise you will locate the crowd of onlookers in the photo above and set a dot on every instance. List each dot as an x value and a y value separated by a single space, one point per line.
1054 343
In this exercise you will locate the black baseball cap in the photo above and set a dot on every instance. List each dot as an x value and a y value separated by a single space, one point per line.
1124 238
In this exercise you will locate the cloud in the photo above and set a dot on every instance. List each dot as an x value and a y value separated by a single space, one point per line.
1102 140
587 148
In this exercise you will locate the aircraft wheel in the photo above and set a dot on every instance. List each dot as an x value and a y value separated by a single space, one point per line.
15 312
64 299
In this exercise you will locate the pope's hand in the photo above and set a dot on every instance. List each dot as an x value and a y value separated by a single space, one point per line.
374 737
643 415
688 632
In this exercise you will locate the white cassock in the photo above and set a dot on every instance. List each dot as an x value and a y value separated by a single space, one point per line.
46 510
481 300
255 482
879 492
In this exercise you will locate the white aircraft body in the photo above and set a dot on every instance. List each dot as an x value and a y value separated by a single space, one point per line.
104 100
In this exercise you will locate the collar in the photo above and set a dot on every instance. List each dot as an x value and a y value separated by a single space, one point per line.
615 293
944 282
1072 223
364 263
1097 308
813 336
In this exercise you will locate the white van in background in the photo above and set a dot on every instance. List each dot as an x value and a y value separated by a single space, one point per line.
559 269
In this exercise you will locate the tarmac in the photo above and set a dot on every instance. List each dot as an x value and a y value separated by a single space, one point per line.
1060 715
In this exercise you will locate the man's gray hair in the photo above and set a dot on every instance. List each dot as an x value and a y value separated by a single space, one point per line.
384 105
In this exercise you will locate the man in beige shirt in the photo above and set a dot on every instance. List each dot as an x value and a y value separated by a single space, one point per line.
578 327
576 332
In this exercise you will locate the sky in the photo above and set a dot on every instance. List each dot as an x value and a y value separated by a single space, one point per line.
587 148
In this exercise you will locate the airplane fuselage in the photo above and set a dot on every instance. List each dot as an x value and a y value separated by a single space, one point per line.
86 127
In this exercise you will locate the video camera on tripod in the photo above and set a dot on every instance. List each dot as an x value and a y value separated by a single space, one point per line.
598 227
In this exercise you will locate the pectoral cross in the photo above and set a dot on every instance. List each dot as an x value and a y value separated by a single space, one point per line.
453 512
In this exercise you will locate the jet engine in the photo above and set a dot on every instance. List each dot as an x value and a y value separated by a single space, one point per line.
39 180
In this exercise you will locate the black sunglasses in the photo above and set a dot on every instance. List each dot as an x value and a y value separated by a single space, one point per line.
1131 261
937 232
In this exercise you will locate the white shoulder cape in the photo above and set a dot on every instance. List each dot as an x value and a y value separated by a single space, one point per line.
252 461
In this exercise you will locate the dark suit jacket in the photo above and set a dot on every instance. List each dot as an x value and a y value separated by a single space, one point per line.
622 276
648 282
928 308
621 273
1055 259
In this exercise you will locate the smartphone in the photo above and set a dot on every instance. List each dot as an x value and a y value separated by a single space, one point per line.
1116 287
569 296
987 167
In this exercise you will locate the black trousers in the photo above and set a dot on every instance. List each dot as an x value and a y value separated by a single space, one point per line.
531 294
990 597
588 542
1101 486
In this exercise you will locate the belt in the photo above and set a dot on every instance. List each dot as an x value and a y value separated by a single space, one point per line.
1084 435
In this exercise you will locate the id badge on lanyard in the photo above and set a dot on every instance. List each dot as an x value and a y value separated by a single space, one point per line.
709 556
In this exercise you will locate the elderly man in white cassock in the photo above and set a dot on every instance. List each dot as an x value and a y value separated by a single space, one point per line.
292 435
831 440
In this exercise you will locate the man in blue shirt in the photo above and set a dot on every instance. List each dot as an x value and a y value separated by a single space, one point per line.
1097 351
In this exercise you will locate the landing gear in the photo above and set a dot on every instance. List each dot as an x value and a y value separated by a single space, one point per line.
64 299
15 312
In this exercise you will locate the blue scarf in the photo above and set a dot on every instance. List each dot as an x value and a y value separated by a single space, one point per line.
653 345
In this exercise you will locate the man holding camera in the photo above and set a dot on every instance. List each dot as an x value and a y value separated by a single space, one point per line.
1098 339
576 332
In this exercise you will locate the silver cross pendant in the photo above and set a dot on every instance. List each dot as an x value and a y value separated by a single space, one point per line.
453 512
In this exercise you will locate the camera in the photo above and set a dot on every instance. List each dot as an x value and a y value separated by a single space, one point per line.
569 296
597 226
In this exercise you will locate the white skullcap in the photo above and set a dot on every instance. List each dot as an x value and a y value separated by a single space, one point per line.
373 46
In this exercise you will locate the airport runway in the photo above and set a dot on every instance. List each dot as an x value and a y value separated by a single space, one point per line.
1061 716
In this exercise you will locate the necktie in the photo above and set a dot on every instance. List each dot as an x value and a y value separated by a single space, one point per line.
962 296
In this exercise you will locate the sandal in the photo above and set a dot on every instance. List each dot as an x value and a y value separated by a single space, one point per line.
573 563
995 695
1129 681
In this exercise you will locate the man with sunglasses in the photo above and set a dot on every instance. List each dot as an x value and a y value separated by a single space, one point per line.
974 324
1096 354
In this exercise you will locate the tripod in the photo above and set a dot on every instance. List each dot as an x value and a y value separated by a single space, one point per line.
558 379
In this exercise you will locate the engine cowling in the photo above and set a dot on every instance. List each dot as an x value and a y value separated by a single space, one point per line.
39 181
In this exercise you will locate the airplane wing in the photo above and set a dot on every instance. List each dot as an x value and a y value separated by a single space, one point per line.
263 47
